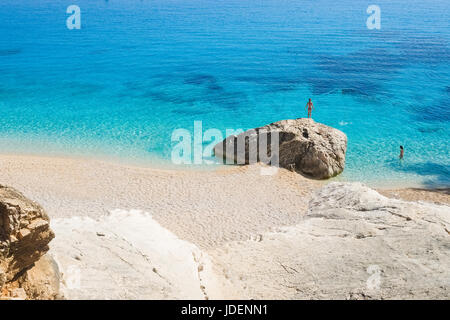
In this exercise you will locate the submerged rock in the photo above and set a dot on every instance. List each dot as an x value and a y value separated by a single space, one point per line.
310 148
24 237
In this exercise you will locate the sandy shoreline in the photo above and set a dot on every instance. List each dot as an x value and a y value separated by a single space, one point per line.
189 234
203 207
441 195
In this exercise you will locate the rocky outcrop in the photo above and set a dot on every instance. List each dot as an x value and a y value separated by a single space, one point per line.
42 281
24 237
310 148
128 255
352 244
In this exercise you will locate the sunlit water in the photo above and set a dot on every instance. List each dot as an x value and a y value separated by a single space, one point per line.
137 70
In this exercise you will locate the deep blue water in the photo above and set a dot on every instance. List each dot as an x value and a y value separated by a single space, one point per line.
138 69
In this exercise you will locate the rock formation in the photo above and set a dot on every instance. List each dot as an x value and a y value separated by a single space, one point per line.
310 148
128 255
353 244
24 237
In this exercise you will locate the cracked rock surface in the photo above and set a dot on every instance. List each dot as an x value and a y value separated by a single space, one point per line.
352 244
128 255
24 237
311 148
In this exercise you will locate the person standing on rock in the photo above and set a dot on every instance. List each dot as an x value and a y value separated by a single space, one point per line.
310 107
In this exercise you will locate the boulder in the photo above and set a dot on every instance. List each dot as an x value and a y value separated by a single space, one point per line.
305 146
24 235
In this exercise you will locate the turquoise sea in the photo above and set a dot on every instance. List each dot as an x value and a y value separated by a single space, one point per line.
138 69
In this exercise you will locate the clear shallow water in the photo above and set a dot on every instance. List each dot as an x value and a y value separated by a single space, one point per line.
137 70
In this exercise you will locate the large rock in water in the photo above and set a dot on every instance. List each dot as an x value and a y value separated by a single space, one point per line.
313 149
24 235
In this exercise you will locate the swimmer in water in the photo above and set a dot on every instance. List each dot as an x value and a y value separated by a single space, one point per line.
402 152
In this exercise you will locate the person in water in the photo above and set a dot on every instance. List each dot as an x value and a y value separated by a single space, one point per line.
402 152
310 107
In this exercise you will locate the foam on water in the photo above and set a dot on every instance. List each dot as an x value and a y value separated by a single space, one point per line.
137 70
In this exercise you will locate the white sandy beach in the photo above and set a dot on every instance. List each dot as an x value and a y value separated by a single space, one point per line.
129 232
203 207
